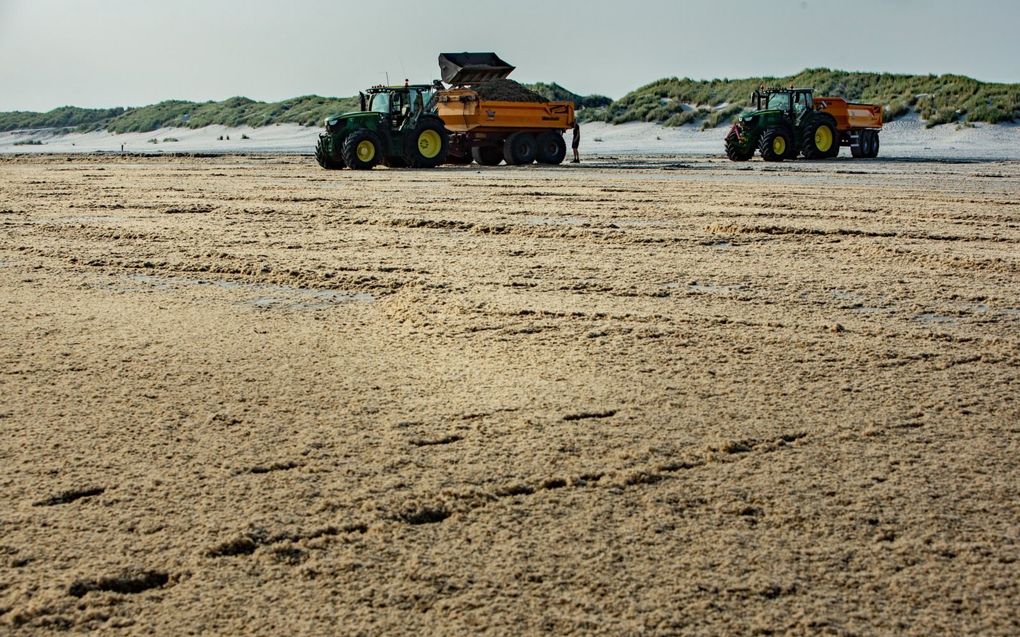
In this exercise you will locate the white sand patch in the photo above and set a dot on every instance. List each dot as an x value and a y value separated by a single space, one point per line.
905 137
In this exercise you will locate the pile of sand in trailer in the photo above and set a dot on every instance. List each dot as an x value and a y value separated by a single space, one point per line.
507 91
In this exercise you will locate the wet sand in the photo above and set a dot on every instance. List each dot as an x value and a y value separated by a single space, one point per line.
243 395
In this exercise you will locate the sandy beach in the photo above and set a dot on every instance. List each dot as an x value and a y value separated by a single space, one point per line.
652 395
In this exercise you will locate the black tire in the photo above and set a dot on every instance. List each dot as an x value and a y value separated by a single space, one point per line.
873 145
520 149
355 144
819 137
551 148
857 144
735 151
771 149
324 156
427 145
487 155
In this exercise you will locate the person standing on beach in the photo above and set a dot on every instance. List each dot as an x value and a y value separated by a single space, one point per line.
576 142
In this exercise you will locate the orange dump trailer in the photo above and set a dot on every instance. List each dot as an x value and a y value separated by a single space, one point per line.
857 124
491 131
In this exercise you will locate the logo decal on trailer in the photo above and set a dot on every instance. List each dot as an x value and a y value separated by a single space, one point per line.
491 114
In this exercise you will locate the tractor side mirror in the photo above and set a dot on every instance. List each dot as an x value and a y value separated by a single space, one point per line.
361 97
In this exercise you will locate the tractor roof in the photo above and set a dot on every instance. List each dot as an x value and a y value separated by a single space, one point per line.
380 88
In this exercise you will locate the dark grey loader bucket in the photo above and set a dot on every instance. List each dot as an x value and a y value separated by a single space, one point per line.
472 68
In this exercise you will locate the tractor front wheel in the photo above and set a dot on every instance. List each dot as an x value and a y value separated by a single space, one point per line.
551 148
519 149
820 137
775 144
737 151
324 157
362 150
427 145
487 155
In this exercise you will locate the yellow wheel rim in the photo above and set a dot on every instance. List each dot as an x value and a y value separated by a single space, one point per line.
779 145
429 143
366 150
823 138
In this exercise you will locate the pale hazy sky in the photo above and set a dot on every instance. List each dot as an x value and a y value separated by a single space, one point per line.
135 52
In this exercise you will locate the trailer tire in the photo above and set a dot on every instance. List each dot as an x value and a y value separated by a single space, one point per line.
775 144
873 144
487 155
857 146
819 137
362 150
551 148
520 149
323 155
735 151
427 145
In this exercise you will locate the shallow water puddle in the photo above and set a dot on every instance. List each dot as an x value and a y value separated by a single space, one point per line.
934 319
259 295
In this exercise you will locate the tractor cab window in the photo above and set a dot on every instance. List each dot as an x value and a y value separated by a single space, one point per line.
801 102
380 103
779 101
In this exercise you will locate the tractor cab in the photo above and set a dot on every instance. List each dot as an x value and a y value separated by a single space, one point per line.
399 105
792 101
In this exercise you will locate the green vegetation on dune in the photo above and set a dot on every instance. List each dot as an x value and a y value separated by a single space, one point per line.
937 99
236 111
64 117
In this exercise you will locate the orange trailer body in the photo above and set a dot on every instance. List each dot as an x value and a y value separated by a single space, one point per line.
464 112
849 115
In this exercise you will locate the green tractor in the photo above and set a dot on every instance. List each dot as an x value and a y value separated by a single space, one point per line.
397 126
784 122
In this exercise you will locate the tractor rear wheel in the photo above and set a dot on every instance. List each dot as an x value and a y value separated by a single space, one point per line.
735 151
819 138
324 157
519 149
362 150
487 155
427 145
775 144
551 148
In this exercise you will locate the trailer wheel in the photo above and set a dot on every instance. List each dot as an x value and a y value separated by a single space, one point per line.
519 149
323 155
857 147
427 145
775 144
820 136
487 155
362 150
735 151
873 144
551 148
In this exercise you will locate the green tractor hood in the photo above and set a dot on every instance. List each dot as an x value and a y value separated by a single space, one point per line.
331 122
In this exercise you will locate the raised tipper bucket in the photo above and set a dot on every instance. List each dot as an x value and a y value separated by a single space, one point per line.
460 69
